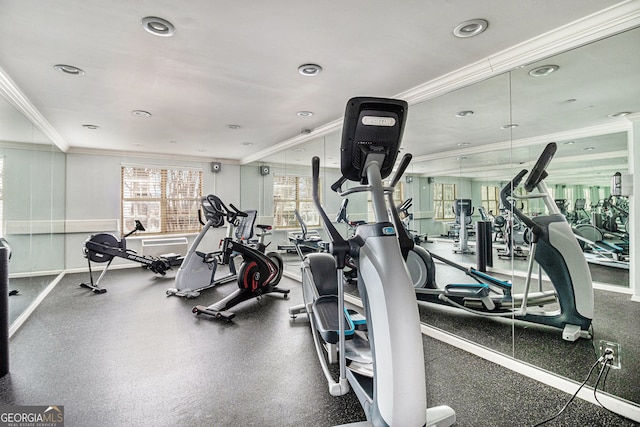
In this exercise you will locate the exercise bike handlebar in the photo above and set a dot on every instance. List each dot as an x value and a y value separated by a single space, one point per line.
231 214
339 247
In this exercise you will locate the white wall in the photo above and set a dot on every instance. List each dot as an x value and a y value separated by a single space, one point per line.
93 192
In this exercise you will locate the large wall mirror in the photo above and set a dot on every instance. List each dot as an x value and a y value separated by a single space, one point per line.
468 144
32 197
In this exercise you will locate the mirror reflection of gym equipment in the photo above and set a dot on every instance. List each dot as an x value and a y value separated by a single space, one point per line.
462 228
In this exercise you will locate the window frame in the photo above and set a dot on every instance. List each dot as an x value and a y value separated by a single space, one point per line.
171 216
280 217
447 214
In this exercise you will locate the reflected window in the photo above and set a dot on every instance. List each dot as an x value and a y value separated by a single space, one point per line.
491 199
290 194
444 196
164 200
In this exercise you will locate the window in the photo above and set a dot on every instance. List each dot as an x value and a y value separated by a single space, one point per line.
586 195
291 193
491 199
443 199
163 200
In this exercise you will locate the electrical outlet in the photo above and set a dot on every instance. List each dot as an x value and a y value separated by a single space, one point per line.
615 352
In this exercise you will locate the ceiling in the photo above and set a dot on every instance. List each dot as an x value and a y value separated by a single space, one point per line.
229 64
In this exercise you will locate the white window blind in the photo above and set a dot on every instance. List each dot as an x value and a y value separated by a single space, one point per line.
165 201
292 193
444 196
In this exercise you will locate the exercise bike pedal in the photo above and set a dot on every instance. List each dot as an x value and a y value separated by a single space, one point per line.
187 293
201 309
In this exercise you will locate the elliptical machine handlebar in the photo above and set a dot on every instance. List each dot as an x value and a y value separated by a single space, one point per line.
539 171
506 193
338 184
402 167
339 247
537 175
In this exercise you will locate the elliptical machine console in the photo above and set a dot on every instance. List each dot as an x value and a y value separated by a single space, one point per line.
383 349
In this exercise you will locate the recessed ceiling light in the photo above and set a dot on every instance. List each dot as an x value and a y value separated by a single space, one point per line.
247 143
141 113
309 69
305 113
463 144
544 70
464 113
588 148
158 26
234 127
69 69
92 127
568 143
570 100
298 150
620 114
470 28
509 126
461 158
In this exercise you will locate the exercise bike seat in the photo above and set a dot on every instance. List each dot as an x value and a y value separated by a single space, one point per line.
325 312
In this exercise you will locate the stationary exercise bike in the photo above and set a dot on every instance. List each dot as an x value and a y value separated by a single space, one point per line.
569 306
380 355
259 273
198 270
104 247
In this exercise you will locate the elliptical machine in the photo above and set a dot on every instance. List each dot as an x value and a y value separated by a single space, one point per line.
384 353
259 273
104 247
418 259
569 306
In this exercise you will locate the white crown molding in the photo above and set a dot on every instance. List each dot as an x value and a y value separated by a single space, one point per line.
159 156
613 127
605 23
14 95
